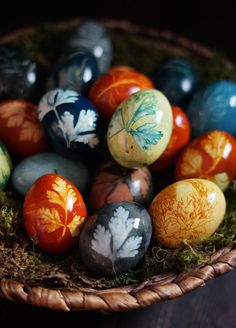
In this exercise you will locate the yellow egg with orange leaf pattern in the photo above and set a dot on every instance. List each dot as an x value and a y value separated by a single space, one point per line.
188 210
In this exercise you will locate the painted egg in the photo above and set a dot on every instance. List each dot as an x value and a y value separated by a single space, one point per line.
30 169
20 128
71 123
94 37
114 183
76 70
53 212
5 166
188 210
115 86
18 74
214 108
177 79
115 238
211 156
179 138
140 129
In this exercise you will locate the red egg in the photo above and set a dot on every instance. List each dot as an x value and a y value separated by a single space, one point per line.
211 156
54 212
179 138
20 128
115 86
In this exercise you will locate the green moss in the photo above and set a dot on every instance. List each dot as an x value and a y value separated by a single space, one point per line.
9 214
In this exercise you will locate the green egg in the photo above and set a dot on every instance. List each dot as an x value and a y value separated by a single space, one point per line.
5 166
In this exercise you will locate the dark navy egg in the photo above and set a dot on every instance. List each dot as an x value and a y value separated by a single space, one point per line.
30 169
76 70
18 74
71 123
213 108
115 238
94 37
177 79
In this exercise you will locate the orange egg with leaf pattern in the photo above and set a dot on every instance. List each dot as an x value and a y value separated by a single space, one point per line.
180 137
54 212
210 156
115 86
20 128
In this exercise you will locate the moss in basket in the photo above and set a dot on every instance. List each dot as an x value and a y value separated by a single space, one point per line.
9 214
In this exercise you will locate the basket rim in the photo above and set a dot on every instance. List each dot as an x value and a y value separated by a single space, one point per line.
161 287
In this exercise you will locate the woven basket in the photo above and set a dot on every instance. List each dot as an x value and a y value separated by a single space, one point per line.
160 287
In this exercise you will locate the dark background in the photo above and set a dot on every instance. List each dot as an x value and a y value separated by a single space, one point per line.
208 22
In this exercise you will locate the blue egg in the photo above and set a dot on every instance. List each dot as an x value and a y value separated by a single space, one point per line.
30 169
213 107
177 79
94 37
19 74
76 70
71 123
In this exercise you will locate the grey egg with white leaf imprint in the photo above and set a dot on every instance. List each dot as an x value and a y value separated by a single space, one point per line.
115 238
70 121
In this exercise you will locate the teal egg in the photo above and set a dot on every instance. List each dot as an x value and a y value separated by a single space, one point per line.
5 166
213 108
31 168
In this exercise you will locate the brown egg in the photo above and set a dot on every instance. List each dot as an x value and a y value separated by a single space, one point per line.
114 183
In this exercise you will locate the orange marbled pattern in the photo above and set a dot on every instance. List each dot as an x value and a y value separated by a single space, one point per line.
188 210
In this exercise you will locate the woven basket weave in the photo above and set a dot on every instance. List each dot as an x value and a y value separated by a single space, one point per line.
159 288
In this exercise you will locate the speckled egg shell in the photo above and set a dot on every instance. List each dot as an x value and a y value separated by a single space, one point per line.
94 37
71 123
116 238
140 129
5 166
114 87
76 70
30 169
179 138
114 183
188 210
18 74
177 79
20 128
211 156
213 108
53 213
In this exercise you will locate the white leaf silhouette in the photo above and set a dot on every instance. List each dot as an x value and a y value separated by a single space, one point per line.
102 241
80 132
130 247
120 227
54 98
115 242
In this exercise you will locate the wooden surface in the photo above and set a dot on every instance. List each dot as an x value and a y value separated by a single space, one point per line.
211 306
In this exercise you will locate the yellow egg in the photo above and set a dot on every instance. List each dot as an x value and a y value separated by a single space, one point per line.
188 210
140 129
